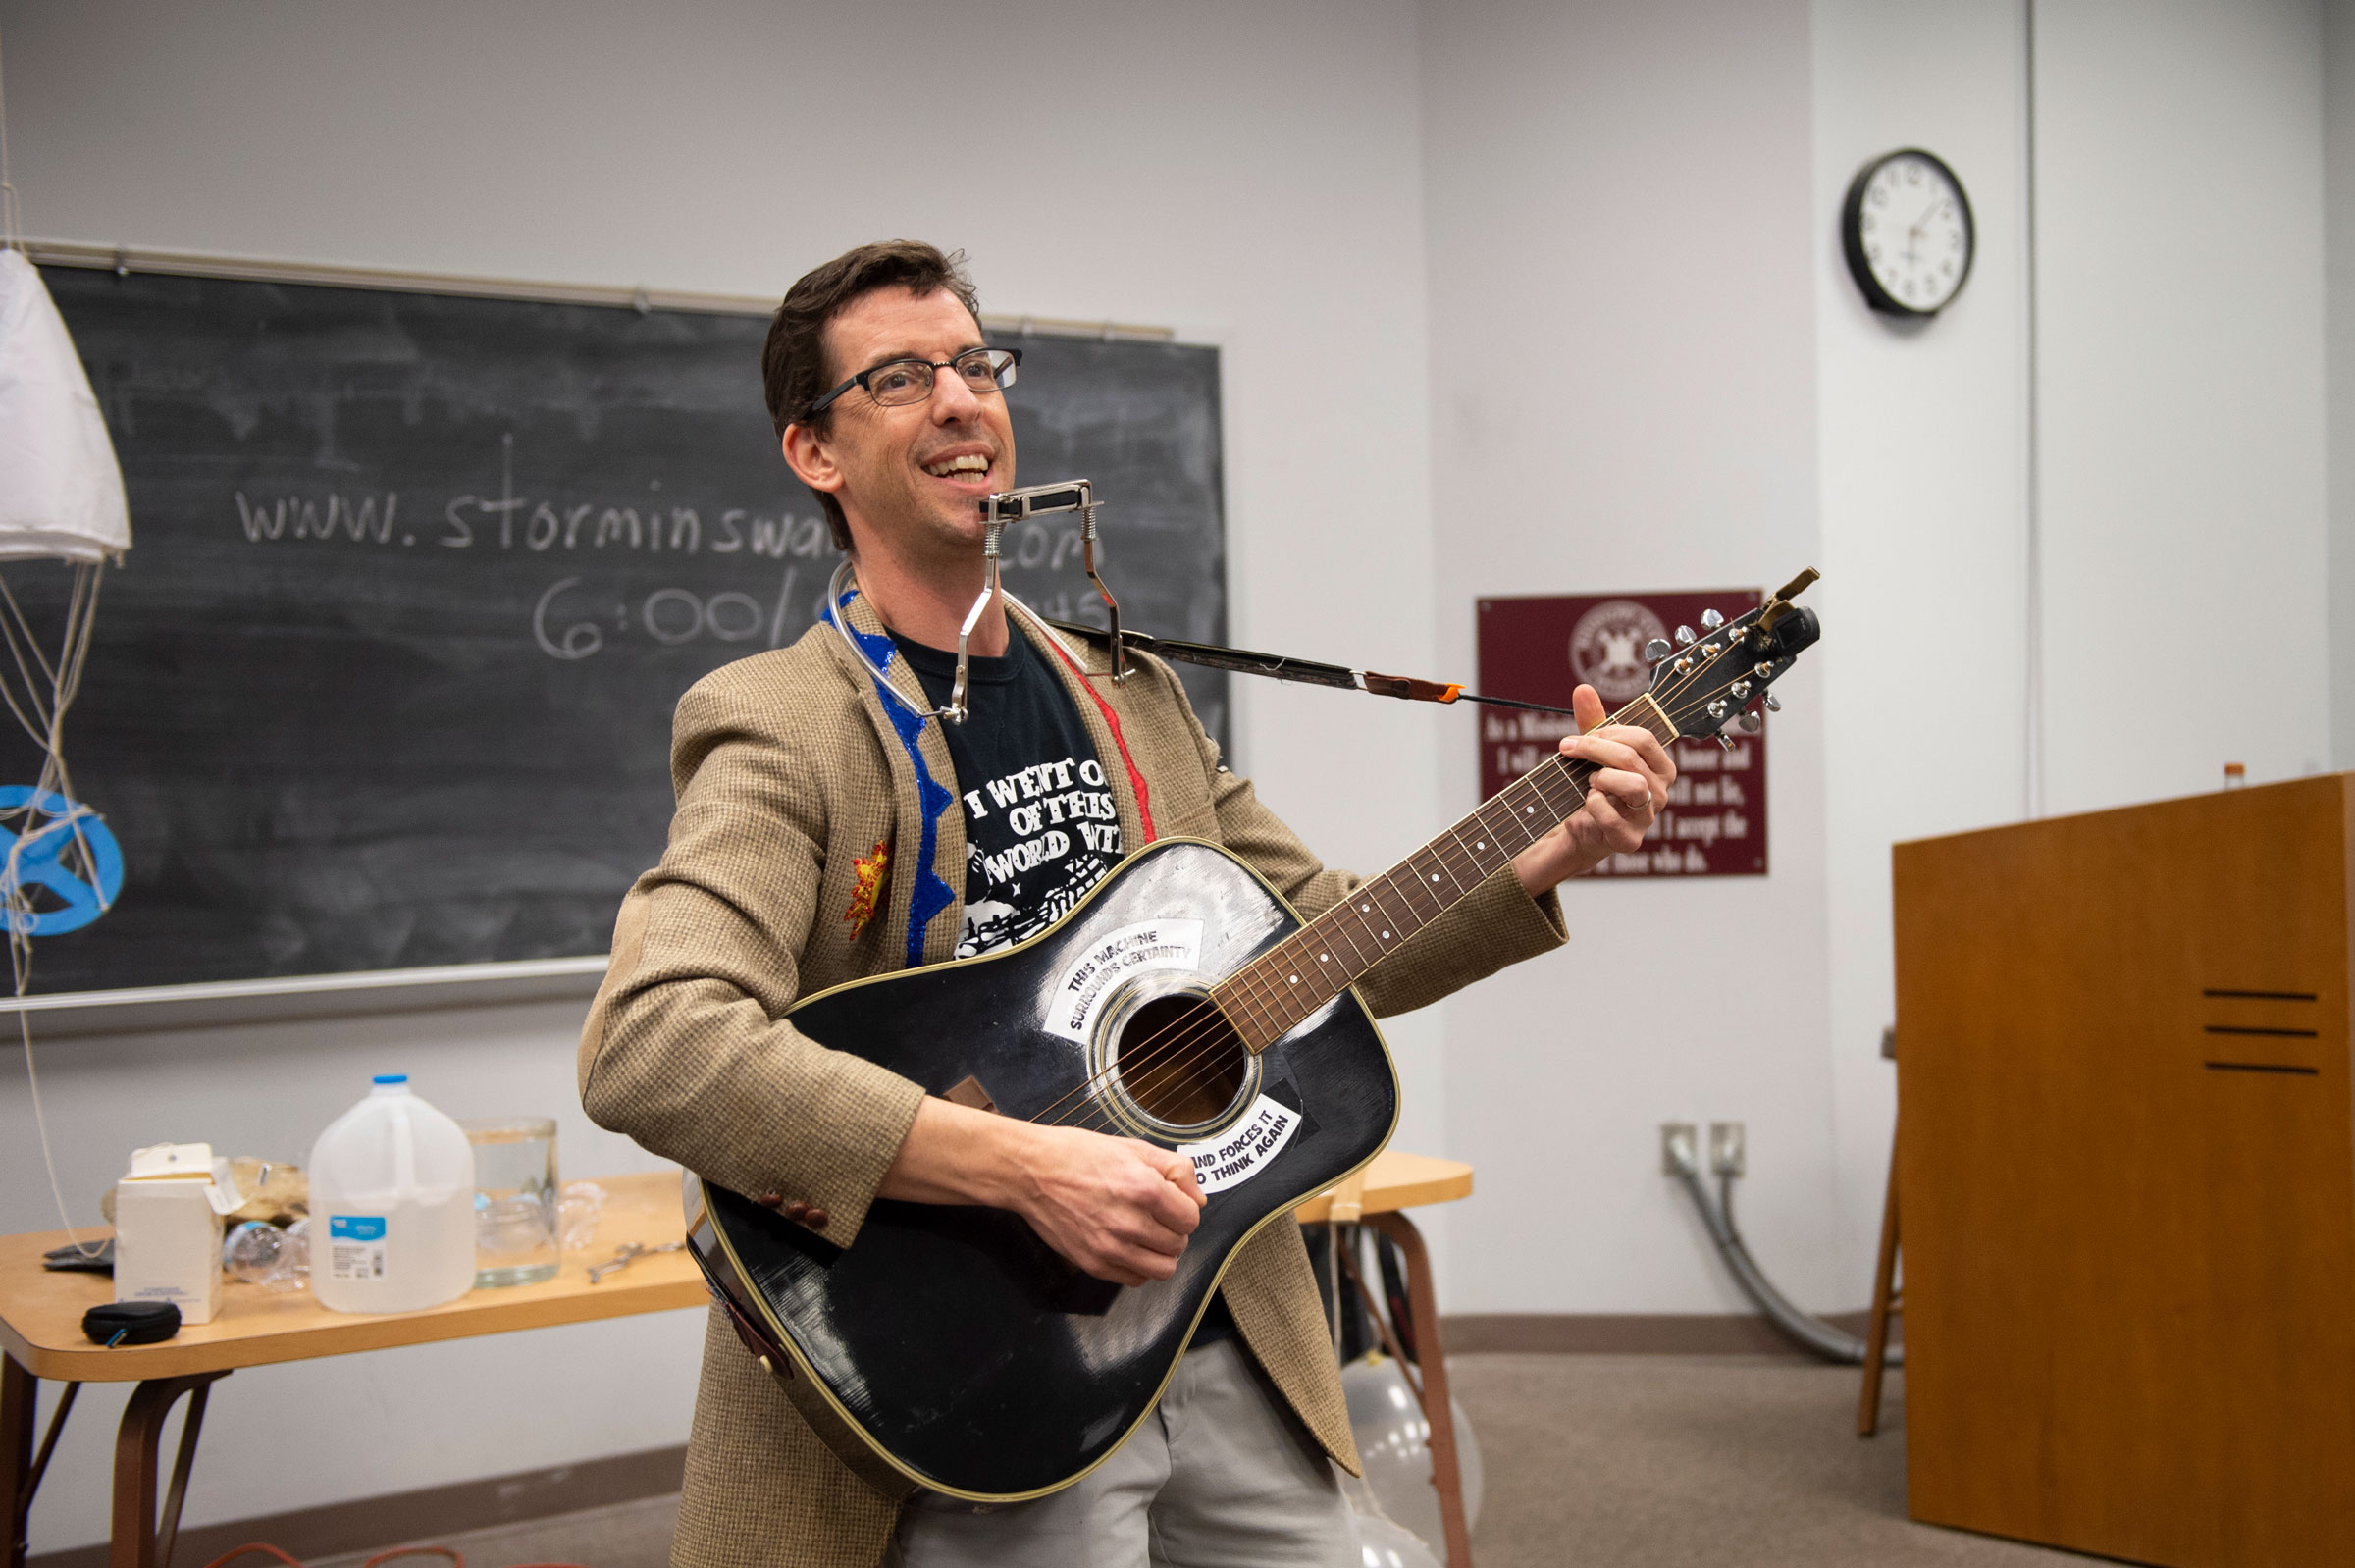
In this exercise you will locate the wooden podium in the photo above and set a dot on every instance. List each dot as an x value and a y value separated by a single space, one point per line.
2127 1176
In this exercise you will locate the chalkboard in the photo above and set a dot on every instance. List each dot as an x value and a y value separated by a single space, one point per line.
417 579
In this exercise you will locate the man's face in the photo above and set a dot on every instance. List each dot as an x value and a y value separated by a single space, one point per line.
912 475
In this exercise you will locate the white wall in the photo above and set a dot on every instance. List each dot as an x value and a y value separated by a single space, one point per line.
1623 352
2339 311
1246 174
1633 167
2179 219
2179 415
1923 455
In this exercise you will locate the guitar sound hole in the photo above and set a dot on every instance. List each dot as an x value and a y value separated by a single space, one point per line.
1180 1062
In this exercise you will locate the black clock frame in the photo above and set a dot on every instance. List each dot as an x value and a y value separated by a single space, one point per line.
1852 235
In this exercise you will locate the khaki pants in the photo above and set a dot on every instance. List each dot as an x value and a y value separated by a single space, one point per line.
1222 1475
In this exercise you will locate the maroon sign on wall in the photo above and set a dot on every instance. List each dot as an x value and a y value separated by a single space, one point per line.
1539 650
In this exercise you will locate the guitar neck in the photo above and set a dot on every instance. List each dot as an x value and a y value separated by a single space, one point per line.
1269 997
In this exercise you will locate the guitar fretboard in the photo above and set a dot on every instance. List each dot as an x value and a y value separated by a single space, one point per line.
1272 995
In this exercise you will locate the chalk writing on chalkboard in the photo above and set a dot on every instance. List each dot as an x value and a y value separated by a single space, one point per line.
388 680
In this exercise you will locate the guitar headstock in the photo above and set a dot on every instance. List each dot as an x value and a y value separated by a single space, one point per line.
1722 674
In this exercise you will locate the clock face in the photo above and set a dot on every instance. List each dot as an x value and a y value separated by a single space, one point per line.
1907 231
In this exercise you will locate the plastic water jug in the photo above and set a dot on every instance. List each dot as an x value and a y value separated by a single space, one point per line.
392 1205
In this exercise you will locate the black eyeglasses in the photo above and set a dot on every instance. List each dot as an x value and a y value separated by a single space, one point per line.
909 380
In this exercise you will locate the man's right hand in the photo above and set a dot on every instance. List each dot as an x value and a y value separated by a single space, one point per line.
1119 1209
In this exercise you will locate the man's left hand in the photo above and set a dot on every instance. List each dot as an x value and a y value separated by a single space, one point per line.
1624 798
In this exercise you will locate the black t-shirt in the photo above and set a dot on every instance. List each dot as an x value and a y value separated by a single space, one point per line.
1040 825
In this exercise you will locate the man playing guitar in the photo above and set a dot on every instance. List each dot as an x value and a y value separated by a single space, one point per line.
816 843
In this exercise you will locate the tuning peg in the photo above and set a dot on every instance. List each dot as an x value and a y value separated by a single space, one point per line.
1726 741
1717 708
1710 621
1686 636
1751 721
1740 689
1773 704
1657 648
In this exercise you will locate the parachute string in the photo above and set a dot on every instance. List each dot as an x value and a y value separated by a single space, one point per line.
34 819
18 626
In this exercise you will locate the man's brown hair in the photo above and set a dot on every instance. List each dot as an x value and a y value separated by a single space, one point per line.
794 369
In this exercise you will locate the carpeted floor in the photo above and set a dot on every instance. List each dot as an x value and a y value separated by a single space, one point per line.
1620 1462
1592 1462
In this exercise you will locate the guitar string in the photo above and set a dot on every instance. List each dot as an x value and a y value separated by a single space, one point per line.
1202 1044
1198 1051
1206 1054
1158 1047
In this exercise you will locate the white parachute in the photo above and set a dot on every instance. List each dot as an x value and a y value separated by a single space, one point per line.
60 500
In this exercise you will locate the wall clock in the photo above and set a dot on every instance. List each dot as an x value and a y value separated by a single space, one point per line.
1907 231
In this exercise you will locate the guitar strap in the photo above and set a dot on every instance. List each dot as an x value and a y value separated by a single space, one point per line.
1281 667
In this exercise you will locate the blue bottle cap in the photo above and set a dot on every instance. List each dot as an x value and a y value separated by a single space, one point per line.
391 1077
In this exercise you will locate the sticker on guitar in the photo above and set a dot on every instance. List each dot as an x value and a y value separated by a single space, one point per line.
1082 989
1243 1150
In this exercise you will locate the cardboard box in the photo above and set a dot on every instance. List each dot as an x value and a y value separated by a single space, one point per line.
168 1213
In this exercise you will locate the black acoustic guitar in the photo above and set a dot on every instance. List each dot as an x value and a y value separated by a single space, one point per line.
1182 1002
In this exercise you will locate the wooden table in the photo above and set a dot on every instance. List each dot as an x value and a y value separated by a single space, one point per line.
40 1332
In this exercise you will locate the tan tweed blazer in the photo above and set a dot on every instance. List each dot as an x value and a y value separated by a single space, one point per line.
788 773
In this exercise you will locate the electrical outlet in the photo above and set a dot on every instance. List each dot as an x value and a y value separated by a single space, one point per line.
1727 1155
1680 1148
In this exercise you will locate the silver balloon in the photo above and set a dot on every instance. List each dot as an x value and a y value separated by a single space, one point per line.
1383 1545
1394 1441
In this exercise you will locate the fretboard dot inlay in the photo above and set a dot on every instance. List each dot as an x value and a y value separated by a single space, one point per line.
1385 936
1295 979
1434 876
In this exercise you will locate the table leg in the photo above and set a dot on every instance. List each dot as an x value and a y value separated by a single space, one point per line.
1884 1302
18 1390
1432 1360
19 1459
141 1539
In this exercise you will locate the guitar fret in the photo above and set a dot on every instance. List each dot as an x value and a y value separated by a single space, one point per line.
1411 891
1497 815
1481 856
1341 917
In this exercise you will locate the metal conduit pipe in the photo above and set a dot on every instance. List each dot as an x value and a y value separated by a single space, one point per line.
1805 1329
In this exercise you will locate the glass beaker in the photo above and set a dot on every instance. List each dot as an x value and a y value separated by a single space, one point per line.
514 1199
